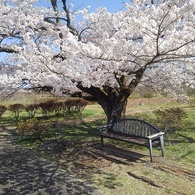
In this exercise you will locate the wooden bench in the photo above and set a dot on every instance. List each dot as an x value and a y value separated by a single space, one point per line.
133 131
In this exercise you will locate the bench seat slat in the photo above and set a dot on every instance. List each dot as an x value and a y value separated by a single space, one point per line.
129 139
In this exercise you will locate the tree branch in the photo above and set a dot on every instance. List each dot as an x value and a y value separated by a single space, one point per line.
7 50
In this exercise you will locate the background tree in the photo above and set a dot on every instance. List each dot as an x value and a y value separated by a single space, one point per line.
108 55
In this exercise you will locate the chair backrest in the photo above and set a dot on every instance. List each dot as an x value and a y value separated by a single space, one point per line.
134 127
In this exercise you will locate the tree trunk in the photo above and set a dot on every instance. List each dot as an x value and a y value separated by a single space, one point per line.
114 100
113 103
115 109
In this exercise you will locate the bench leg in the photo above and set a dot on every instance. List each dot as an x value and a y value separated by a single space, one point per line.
162 145
150 148
102 142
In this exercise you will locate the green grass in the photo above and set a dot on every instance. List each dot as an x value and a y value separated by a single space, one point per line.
93 110
179 149
178 145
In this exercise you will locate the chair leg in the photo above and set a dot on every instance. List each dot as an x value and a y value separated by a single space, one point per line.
150 148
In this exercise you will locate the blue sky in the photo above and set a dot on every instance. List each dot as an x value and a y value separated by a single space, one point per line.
111 5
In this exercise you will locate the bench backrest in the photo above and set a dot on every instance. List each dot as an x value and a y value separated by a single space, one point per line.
134 127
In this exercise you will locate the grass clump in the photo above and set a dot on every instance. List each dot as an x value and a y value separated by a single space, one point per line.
170 119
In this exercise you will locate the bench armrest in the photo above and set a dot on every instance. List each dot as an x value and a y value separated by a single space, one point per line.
155 136
105 127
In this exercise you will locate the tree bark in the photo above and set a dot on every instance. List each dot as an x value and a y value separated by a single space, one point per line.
114 100
113 103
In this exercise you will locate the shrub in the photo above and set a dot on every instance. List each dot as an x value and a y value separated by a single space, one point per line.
32 127
80 104
47 106
2 110
16 108
60 107
75 105
31 109
170 118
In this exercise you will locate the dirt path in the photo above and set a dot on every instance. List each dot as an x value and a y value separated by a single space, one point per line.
22 172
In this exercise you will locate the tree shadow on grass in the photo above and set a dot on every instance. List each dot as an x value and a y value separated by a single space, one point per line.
183 139
22 173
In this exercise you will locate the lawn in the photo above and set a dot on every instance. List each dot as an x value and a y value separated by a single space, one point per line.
75 145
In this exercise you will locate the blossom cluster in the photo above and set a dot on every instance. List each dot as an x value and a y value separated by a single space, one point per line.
158 38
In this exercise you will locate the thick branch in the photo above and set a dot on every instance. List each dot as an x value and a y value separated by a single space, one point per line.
7 50
93 91
68 20
136 81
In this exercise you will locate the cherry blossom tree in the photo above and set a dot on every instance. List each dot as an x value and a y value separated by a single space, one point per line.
106 55
19 19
